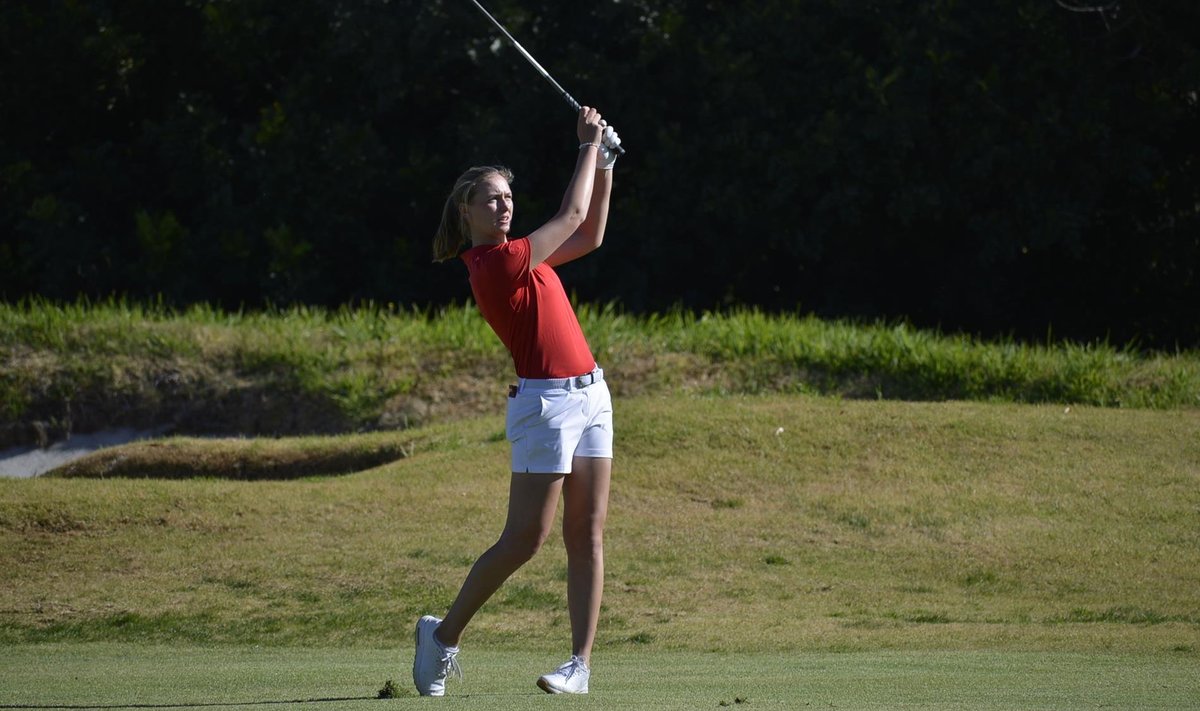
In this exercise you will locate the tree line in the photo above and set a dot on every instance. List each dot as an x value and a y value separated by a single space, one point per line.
1022 167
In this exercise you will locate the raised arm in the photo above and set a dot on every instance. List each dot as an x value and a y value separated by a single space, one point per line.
573 212
590 234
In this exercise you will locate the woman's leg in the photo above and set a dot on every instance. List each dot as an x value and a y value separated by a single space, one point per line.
585 495
532 500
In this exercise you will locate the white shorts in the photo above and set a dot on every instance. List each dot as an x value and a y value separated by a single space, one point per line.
550 422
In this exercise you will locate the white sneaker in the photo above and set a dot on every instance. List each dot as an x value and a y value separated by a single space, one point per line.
432 662
570 678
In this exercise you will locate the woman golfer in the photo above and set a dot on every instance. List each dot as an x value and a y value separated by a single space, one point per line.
559 417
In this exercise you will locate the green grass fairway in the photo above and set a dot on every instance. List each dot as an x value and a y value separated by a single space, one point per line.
129 675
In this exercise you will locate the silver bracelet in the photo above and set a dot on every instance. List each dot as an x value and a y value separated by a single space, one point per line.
581 145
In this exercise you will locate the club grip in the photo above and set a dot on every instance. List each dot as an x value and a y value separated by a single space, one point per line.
575 105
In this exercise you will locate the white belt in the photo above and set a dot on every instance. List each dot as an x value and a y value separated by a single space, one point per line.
576 383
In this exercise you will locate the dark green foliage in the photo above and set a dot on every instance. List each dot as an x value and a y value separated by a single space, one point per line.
1001 168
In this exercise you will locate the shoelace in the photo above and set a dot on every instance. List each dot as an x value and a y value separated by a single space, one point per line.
569 669
450 664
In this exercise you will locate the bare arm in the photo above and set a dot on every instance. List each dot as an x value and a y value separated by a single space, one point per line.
573 213
590 234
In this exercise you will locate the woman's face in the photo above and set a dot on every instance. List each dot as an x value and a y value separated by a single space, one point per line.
489 212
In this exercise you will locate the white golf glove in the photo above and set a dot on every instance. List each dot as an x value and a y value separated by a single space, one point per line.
608 142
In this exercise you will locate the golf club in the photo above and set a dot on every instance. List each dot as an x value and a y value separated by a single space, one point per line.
541 70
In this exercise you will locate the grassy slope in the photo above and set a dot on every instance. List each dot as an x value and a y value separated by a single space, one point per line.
842 525
78 368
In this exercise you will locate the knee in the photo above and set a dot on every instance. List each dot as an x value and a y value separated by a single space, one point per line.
522 544
584 538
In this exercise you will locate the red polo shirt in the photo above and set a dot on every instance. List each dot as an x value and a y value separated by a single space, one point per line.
528 310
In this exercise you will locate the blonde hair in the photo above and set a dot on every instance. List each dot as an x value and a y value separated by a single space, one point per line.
453 233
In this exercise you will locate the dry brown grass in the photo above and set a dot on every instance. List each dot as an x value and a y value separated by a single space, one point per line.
836 524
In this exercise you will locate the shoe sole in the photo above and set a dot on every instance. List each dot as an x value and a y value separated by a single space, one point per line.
550 689
417 645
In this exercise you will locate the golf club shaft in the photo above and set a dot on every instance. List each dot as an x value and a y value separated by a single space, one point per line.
540 69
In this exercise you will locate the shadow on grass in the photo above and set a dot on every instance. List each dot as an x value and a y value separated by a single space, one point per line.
201 704
211 704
